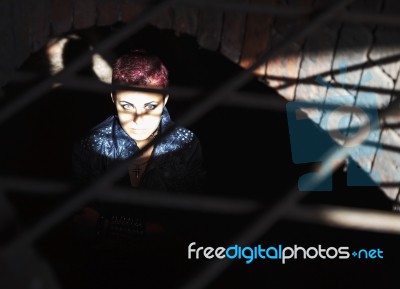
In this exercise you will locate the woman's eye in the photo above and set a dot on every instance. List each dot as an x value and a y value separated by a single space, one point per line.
150 106
126 106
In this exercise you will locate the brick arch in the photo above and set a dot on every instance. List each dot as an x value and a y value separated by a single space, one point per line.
33 23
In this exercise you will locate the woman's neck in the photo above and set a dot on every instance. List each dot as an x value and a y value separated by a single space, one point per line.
142 143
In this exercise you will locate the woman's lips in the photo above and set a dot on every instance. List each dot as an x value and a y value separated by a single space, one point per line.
138 130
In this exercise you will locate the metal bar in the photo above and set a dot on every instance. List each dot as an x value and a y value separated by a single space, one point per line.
368 18
91 85
34 186
253 8
256 100
348 218
188 202
135 197
312 79
295 12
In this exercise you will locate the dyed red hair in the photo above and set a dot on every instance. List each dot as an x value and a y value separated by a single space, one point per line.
140 68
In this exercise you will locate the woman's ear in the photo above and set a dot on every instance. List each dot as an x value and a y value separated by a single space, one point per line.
166 99
112 97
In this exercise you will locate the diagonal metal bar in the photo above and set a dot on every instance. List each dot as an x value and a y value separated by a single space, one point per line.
268 100
257 100
34 186
311 79
36 92
124 195
189 202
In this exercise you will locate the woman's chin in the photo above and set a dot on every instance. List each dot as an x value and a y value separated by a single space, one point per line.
139 137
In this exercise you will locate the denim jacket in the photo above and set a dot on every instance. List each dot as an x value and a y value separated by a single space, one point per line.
176 164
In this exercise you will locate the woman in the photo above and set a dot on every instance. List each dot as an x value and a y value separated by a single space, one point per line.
163 162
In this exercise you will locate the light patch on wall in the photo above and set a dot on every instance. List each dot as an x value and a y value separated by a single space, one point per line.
101 68
54 54
348 217
55 50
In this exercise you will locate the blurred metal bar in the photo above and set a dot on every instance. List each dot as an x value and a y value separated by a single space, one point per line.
364 65
81 83
256 100
347 218
34 186
183 201
253 8
295 12
190 202
369 18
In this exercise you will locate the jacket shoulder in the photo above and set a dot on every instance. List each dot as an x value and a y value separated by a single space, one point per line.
184 135
98 136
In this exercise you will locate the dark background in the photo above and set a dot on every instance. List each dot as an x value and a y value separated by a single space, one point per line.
247 156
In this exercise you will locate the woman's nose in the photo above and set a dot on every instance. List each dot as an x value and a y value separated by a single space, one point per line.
137 115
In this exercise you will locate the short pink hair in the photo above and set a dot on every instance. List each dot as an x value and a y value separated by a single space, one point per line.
140 68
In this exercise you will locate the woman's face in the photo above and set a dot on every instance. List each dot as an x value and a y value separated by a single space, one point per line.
139 112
